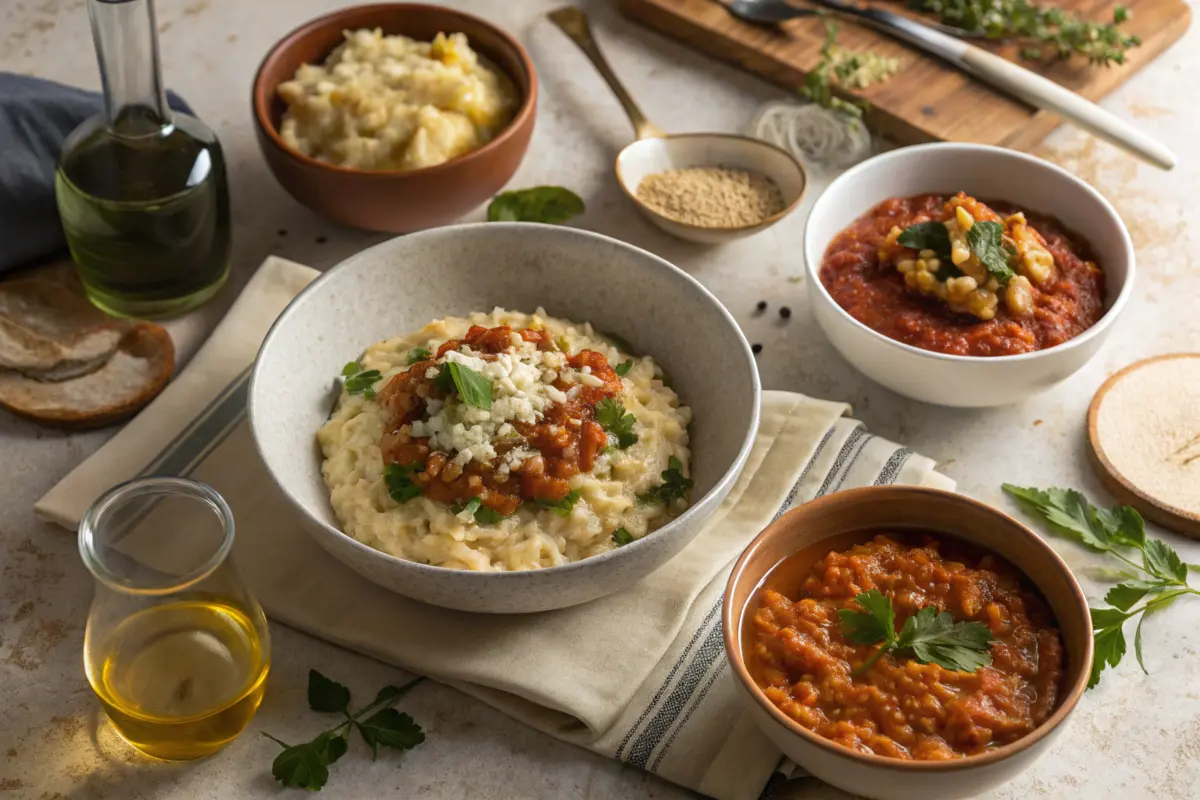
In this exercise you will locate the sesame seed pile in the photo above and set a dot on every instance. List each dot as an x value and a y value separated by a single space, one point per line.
712 197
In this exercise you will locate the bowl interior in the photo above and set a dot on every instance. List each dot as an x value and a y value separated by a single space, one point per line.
312 42
649 156
403 284
988 173
838 516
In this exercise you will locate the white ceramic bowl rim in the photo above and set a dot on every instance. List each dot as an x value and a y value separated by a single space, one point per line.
750 140
693 510
813 259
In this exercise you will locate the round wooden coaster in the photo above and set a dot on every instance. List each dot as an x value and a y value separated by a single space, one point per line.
1144 439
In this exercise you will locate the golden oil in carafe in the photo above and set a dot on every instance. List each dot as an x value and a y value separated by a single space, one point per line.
180 680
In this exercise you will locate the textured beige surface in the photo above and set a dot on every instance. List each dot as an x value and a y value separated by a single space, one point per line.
1135 736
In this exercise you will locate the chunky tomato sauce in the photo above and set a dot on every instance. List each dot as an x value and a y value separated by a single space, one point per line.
898 707
568 437
874 293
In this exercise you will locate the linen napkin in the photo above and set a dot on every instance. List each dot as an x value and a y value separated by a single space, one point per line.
669 708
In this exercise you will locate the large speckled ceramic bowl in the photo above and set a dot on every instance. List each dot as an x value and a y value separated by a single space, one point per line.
402 284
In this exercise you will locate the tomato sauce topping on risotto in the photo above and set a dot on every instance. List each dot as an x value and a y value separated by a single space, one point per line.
566 440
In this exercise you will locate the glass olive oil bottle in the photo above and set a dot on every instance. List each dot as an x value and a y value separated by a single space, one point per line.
141 189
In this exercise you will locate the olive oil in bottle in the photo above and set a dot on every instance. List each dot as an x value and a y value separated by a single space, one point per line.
142 190
179 680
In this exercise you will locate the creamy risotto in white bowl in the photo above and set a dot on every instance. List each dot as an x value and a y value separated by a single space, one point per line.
504 417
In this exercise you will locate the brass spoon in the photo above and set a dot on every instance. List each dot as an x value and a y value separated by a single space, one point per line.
655 150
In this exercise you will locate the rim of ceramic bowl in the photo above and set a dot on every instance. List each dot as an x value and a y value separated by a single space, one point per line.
732 619
260 97
694 510
765 223
813 258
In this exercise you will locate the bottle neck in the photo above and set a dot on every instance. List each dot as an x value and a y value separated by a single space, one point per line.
127 47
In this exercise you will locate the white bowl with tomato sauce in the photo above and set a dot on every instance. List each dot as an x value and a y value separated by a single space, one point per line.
402 284
844 733
990 174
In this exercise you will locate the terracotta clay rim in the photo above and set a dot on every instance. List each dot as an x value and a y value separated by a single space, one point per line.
762 224
260 99
733 649
1165 514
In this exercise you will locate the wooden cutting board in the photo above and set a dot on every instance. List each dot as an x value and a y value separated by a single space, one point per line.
927 100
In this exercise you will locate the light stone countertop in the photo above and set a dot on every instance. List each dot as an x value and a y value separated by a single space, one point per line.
1136 736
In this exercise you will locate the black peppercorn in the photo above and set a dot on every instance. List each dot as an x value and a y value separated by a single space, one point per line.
756 348
785 312
762 305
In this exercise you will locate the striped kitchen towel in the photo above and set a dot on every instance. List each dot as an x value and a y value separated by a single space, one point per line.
640 676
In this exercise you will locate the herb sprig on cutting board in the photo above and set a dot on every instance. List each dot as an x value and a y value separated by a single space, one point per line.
1154 576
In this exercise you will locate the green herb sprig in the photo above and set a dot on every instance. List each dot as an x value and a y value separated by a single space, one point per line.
399 482
563 506
611 416
623 368
306 766
359 380
621 537
674 486
483 515
986 242
838 68
1046 28
473 388
1120 531
417 355
552 204
929 637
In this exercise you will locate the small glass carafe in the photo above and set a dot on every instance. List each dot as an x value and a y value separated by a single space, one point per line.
176 648
142 189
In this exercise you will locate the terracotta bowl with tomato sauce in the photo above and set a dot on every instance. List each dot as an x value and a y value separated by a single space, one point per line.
907 724
931 351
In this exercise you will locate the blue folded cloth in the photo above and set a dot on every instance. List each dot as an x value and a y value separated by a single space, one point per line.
36 116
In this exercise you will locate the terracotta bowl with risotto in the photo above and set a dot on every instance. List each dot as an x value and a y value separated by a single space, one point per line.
403 194
992 642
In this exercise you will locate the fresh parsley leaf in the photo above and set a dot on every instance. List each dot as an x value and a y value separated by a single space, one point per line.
552 204
473 388
622 537
390 728
351 368
1162 561
876 625
937 639
927 236
306 766
932 638
398 478
486 515
326 695
1068 513
674 485
562 506
417 355
985 241
362 382
611 416
623 368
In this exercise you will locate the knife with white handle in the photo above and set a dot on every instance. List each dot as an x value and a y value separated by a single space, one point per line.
1017 81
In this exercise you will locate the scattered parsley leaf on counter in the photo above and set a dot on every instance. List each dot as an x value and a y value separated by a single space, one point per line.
563 506
622 537
674 485
326 695
623 368
473 388
1115 531
398 478
986 243
611 416
417 355
306 766
932 638
359 380
552 204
